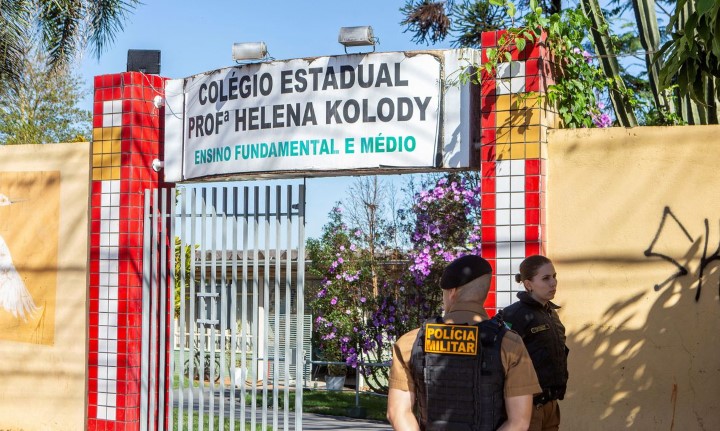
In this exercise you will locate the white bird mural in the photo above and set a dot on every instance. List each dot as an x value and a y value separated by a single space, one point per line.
14 297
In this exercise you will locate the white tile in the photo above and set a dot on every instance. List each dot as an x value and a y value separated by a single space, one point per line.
103 321
503 70
114 186
515 264
112 319
117 118
103 359
114 239
502 250
503 299
503 86
502 234
111 413
113 265
517 200
114 199
112 332
502 217
116 106
517 167
503 267
111 400
517 249
517 184
104 277
105 213
114 226
108 118
112 372
517 85
502 184
502 200
103 305
503 168
502 283
104 266
102 412
517 217
108 107
105 199
114 213
517 233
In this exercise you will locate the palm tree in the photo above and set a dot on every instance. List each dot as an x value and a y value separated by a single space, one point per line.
60 28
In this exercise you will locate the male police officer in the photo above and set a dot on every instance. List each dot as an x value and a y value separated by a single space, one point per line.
463 371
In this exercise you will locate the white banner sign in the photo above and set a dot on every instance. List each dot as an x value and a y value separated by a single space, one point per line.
328 113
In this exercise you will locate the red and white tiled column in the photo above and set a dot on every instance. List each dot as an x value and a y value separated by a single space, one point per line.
513 123
127 137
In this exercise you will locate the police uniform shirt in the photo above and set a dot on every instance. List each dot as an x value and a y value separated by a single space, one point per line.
520 377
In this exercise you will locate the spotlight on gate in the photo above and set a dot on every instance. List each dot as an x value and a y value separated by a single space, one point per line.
249 51
357 36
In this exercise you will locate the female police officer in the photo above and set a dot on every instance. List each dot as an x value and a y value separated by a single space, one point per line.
535 318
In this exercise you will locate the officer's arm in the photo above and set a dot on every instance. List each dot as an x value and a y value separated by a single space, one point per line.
399 410
519 411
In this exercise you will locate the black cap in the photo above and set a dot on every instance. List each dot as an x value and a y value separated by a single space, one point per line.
463 270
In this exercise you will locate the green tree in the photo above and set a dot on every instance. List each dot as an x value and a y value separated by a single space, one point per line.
60 29
40 106
637 85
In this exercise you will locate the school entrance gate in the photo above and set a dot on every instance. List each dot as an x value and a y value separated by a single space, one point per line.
210 331
229 311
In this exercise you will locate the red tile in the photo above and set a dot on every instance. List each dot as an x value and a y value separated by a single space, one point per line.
532 167
532 248
532 233
487 153
532 200
488 39
487 201
532 216
532 183
487 186
487 217
488 234
535 83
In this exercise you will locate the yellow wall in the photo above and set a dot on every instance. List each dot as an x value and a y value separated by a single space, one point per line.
43 356
641 357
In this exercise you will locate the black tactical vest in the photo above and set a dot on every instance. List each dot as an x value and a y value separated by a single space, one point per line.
456 392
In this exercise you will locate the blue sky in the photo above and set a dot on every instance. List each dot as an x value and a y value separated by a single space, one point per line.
195 37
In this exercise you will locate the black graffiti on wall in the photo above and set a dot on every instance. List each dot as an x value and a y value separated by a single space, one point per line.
682 269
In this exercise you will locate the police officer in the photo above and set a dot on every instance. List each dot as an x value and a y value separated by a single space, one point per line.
535 318
463 371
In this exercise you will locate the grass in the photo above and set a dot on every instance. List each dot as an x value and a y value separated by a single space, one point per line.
206 423
340 404
333 403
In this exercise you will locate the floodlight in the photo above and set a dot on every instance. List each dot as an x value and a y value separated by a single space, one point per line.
143 60
249 51
357 36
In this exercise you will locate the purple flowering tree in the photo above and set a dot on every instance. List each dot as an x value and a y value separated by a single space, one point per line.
338 302
366 300
442 223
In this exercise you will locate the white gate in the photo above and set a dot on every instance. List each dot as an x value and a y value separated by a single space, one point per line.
224 331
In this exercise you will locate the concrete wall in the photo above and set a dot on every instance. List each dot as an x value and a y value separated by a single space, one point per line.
45 228
628 209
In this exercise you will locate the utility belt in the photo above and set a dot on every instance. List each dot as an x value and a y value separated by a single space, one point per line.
547 395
